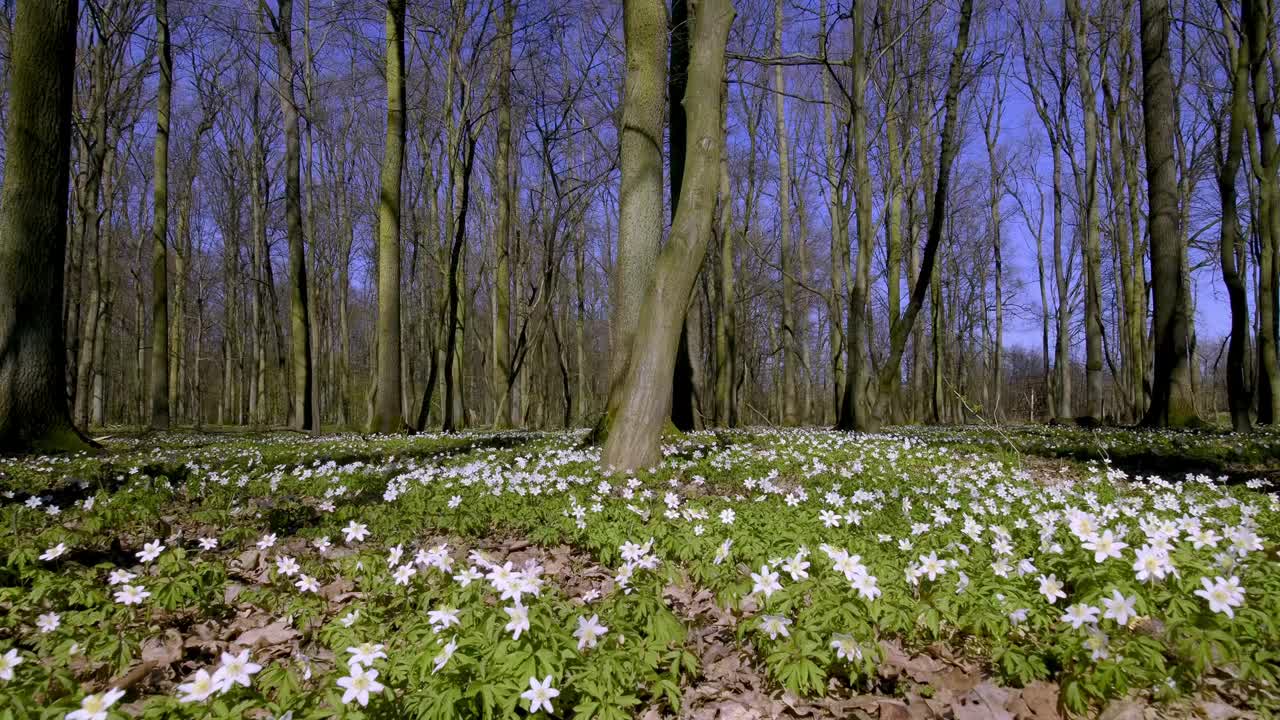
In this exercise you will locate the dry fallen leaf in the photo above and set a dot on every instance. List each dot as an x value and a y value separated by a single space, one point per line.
163 651
274 634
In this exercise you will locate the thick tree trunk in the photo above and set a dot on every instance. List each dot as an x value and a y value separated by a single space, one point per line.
388 415
641 402
33 231
160 230
1171 399
640 194
1260 18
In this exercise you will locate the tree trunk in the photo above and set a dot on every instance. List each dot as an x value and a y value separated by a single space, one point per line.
790 381
33 228
642 400
302 414
502 273
857 405
1087 182
900 327
640 193
1259 19
160 230
388 415
1239 394
1171 400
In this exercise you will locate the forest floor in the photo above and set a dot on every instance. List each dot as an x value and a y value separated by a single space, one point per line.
962 573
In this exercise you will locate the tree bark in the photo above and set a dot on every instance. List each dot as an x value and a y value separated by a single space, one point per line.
790 381
1171 400
502 272
33 221
303 412
388 415
160 230
1260 21
1239 394
641 404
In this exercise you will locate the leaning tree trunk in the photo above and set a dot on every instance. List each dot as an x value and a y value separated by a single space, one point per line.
900 327
160 230
1171 398
640 193
388 415
33 230
641 401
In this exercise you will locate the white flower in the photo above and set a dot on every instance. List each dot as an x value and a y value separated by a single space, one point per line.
1079 614
267 541
355 532
359 684
306 583
722 553
8 662
48 622
208 543
866 586
1204 537
350 618
1019 616
54 552
540 695
765 582
151 551
365 653
468 576
589 631
1223 594
1104 546
94 707
404 573
1119 607
775 625
846 647
119 577
797 567
931 566
443 658
235 670
1051 588
1096 643
287 566
443 618
1151 564
727 516
199 688
132 595
519 622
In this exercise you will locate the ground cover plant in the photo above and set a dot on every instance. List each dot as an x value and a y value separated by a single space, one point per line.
751 574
